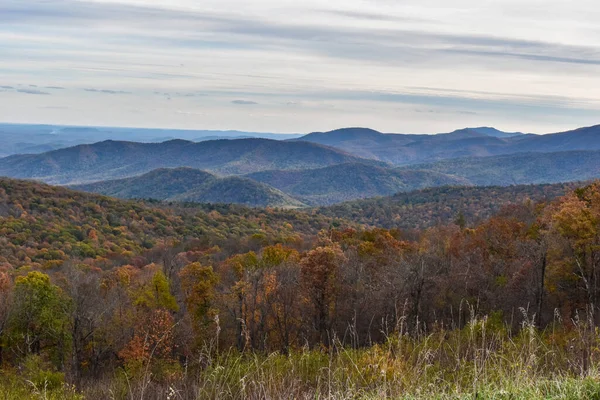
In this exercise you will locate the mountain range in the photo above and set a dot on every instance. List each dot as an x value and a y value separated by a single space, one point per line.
471 142
115 159
316 169
35 139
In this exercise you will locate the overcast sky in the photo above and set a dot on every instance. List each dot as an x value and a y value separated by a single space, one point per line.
405 66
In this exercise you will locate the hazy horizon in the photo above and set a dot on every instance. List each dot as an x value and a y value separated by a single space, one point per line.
161 128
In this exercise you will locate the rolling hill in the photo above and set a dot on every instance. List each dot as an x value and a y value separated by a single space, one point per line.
113 159
345 182
521 168
191 185
439 206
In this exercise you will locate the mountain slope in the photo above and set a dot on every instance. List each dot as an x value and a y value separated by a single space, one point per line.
402 149
350 181
493 132
190 185
433 206
471 142
49 224
112 159
587 138
522 168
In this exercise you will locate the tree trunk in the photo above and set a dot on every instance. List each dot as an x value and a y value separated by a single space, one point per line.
540 291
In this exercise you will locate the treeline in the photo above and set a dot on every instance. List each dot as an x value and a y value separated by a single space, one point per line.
154 307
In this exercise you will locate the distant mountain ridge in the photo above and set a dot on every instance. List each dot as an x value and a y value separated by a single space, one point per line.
321 168
115 159
38 138
403 149
191 185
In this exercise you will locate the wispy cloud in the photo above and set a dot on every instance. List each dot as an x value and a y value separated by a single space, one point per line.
106 91
32 91
244 102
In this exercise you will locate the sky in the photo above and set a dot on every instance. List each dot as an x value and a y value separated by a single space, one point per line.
291 66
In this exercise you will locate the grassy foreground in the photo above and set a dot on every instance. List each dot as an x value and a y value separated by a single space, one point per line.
481 361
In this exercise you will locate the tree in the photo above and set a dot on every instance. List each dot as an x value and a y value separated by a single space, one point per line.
89 312
319 271
6 297
575 223
40 317
156 294
198 283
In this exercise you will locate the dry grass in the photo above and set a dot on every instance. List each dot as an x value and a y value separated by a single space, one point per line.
481 361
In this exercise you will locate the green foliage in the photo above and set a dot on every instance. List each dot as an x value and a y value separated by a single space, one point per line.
40 315
156 294
199 283
40 374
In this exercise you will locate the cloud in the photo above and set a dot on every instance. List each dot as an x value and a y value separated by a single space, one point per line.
490 59
32 91
371 16
368 43
55 87
6 87
244 102
525 56
107 91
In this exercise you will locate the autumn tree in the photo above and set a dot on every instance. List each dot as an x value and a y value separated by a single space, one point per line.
575 222
198 283
152 344
89 312
6 295
319 271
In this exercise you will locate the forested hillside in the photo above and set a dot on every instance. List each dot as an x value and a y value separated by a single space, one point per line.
433 206
524 168
43 226
116 159
126 299
329 185
192 185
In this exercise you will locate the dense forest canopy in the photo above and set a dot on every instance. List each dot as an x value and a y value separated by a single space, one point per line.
91 284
